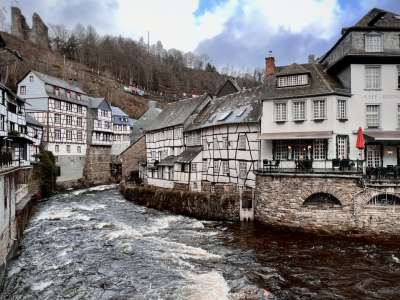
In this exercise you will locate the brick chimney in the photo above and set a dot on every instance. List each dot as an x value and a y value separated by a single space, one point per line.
269 65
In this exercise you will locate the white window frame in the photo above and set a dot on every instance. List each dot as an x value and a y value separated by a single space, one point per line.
225 166
320 151
373 77
299 109
57 118
57 134
242 169
68 135
372 114
342 146
318 113
292 80
341 107
216 167
69 120
242 142
280 111
398 115
373 42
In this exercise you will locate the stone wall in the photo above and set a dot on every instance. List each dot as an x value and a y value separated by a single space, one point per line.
97 168
38 34
280 201
195 204
131 157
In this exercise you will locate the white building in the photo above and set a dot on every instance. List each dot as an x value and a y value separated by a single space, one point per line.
100 127
366 59
61 107
35 134
121 130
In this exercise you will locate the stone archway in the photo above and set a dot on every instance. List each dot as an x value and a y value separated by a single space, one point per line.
322 200
384 199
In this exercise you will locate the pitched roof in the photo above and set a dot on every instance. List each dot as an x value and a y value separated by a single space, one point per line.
176 113
320 83
131 121
10 92
144 122
94 102
116 111
234 85
31 120
378 18
188 155
58 82
50 93
240 107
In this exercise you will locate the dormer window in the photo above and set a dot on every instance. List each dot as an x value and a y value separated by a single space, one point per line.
373 43
293 80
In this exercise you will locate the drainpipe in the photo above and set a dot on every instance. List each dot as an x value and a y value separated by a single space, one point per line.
190 172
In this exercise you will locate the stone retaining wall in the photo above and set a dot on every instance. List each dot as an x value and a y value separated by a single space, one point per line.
195 204
280 201
97 168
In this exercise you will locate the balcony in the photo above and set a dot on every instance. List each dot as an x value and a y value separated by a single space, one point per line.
335 167
382 176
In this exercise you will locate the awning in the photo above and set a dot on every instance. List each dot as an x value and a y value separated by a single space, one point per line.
188 155
384 135
168 161
309 135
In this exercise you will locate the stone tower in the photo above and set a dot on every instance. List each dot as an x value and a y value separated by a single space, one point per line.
38 34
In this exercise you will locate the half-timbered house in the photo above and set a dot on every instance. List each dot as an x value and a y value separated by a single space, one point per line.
100 129
121 130
61 106
167 157
226 131
35 134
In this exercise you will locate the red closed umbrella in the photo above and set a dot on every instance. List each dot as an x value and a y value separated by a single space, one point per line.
360 139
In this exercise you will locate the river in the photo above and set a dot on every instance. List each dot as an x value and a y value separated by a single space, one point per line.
93 244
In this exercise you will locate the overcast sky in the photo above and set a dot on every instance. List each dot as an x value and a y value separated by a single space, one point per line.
238 33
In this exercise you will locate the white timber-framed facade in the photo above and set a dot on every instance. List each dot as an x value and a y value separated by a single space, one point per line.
121 130
61 106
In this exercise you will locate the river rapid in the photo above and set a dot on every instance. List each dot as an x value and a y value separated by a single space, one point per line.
93 244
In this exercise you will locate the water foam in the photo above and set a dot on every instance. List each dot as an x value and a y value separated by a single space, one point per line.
40 286
95 188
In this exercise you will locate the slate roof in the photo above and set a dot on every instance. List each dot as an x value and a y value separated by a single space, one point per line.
94 102
240 107
51 94
144 122
292 69
188 155
320 83
31 120
10 92
58 82
229 81
131 121
168 161
378 19
116 111
176 113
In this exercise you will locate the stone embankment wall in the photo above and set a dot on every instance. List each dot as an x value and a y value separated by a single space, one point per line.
26 188
97 168
209 206
333 205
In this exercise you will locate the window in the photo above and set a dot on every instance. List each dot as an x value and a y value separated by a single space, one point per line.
78 96
205 165
57 91
79 135
69 120
205 143
225 143
79 149
57 134
106 125
373 77
22 90
57 104
280 150
79 122
342 144
342 109
319 149
293 80
398 76
57 119
216 166
280 112
79 109
57 148
319 109
242 169
299 110
242 142
69 135
2 122
373 43
194 167
373 115
398 116
68 94
225 166
3 97
68 106
68 148
373 156
31 78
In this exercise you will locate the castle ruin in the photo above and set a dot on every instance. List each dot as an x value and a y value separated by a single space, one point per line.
38 34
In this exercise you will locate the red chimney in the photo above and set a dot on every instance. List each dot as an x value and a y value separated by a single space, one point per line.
269 65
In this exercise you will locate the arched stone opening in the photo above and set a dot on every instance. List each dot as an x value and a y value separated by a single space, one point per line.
384 199
322 200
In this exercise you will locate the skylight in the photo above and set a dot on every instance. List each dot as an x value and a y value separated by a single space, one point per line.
224 115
